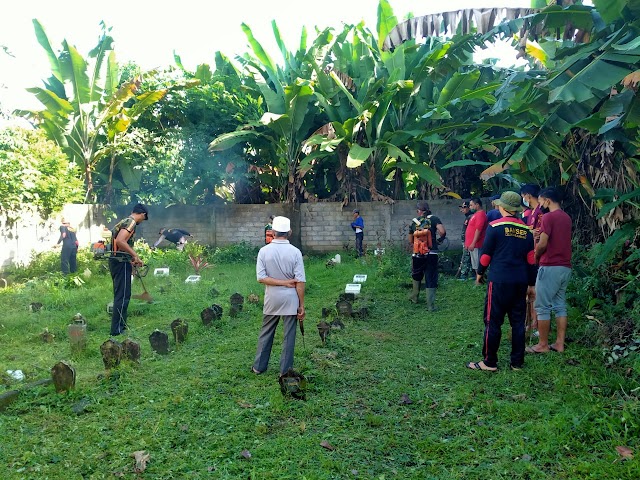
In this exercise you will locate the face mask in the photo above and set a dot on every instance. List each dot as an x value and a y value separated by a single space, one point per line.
544 209
526 203
473 210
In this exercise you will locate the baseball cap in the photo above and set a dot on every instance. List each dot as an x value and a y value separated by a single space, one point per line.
510 201
494 198
464 204
356 211
140 208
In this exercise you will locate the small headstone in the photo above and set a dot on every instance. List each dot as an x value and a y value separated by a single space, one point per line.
214 293
47 336
35 307
110 308
234 310
77 331
131 350
350 297
111 353
180 328
236 301
7 398
64 376
323 330
214 312
362 314
159 342
293 384
337 324
253 298
326 312
344 308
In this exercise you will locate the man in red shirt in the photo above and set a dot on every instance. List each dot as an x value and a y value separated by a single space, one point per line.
553 254
476 230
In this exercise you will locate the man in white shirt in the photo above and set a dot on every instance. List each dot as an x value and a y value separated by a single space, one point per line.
281 269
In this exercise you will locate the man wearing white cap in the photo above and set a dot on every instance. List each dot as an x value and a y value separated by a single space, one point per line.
281 269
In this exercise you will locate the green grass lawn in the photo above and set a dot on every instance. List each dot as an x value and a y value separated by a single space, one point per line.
197 409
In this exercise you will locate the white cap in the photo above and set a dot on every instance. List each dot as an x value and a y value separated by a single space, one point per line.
281 224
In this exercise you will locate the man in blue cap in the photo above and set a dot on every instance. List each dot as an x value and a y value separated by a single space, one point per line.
494 213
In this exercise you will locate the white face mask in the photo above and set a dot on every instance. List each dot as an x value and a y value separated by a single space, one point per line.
526 203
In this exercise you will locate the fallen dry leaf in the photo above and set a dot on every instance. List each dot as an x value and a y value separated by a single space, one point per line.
184 428
625 452
246 454
327 445
141 458
405 400
245 405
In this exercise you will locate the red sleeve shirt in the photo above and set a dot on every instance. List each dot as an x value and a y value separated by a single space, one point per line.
477 222
557 225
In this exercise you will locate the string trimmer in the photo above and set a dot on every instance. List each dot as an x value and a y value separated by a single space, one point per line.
137 271
142 272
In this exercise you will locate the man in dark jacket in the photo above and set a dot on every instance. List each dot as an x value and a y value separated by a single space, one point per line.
69 251
173 235
508 248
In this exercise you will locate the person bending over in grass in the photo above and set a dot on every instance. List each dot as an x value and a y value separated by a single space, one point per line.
173 235
508 248
280 268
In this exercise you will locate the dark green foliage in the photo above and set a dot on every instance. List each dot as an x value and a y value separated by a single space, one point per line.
239 252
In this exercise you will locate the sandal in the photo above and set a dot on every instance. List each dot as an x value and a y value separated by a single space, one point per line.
532 351
481 366
254 371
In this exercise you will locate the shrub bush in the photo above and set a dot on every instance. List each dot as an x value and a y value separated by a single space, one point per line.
240 252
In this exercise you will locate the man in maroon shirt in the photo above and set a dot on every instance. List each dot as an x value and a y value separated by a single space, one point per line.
553 254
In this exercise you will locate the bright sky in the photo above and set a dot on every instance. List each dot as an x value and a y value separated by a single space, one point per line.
148 31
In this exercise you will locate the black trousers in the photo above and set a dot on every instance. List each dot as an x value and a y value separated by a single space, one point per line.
121 277
504 299
427 266
359 237
68 259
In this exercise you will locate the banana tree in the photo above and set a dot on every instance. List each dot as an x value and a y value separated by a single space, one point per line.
85 107
291 115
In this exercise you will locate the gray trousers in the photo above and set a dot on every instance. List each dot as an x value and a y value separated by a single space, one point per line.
265 342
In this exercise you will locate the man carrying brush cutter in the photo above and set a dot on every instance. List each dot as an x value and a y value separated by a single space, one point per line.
122 261
281 269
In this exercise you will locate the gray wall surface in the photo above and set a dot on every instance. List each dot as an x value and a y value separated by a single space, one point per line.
317 227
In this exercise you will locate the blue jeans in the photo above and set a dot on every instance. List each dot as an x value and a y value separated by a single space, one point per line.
551 290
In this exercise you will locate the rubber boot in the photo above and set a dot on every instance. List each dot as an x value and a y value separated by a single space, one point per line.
431 299
415 292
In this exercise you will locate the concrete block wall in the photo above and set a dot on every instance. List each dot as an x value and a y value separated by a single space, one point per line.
317 227
238 223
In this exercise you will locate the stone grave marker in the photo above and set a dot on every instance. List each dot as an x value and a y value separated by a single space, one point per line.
111 353
63 376
180 328
131 350
159 342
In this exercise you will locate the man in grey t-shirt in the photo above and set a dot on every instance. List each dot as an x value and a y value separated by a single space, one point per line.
281 270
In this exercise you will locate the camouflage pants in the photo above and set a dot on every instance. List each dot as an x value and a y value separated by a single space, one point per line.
465 264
